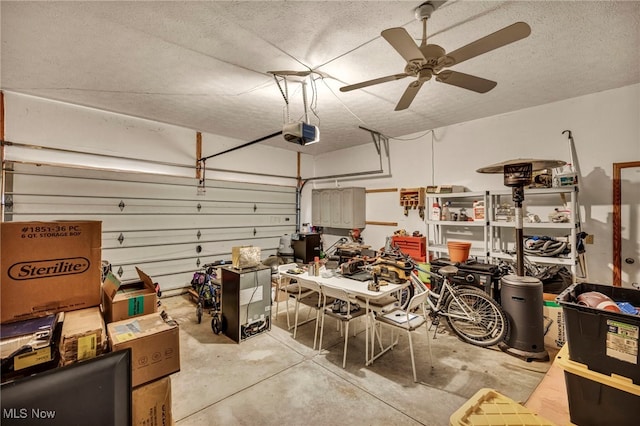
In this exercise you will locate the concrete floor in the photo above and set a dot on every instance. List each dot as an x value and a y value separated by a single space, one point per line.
272 379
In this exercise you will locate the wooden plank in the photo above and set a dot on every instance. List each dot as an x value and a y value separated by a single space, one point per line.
376 190
194 295
2 118
617 219
374 222
549 398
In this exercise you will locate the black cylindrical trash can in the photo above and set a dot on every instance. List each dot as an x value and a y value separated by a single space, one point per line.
522 301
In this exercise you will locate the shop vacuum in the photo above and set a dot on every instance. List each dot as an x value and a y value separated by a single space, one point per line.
522 296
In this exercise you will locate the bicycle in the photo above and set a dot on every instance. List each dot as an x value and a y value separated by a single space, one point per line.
208 296
473 315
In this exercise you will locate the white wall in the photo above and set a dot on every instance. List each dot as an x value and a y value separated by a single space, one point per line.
605 127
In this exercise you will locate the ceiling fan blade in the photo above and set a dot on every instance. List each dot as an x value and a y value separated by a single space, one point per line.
404 44
500 38
465 81
372 82
409 95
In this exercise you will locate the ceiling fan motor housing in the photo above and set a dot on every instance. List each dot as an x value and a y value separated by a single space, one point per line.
432 52
425 10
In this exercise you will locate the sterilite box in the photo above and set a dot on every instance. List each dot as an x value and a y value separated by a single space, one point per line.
596 399
606 342
49 267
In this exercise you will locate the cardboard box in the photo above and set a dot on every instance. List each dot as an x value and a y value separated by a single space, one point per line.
28 343
245 257
83 335
49 267
129 299
155 345
554 327
152 404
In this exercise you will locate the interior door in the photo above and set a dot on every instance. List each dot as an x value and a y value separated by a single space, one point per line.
630 222
626 248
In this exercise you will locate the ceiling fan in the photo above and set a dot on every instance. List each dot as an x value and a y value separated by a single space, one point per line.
428 60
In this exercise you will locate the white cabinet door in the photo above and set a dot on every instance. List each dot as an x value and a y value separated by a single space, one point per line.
346 208
336 208
325 208
339 207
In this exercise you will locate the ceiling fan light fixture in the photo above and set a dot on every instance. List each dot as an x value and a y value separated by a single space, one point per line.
425 9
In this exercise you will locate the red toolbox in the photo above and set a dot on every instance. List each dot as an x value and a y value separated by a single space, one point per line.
416 247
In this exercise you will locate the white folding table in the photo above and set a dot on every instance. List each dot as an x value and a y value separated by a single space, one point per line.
354 288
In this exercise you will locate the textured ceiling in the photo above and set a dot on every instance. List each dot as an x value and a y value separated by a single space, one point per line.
203 65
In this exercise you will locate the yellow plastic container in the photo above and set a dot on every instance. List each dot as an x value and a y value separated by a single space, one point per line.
490 408
598 399
424 277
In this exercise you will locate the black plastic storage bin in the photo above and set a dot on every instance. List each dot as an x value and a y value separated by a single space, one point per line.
595 399
606 342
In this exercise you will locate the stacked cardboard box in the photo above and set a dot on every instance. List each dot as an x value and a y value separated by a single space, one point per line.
28 344
154 342
155 353
554 327
83 335
49 267
46 268
152 403
130 311
52 272
122 300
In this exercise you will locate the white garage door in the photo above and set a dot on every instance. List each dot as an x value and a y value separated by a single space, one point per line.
157 223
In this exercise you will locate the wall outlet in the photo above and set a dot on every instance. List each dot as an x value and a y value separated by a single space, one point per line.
589 239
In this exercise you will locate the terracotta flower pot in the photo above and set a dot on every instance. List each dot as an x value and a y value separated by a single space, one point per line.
458 250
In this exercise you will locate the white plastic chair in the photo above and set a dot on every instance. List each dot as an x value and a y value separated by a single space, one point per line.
375 307
343 318
304 292
313 300
281 287
409 320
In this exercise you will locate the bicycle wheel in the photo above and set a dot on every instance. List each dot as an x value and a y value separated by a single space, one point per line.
476 318
216 325
405 296
199 311
457 288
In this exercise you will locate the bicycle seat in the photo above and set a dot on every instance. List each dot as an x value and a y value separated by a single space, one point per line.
448 271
